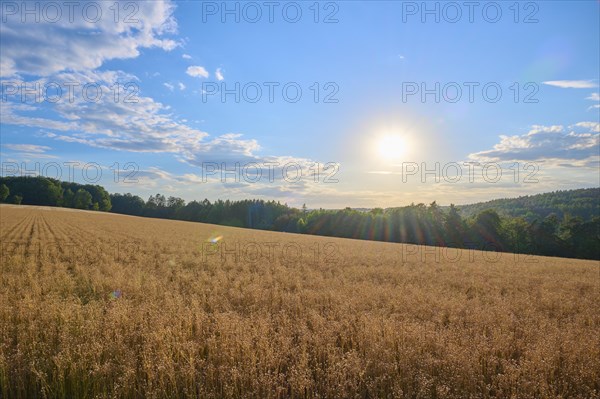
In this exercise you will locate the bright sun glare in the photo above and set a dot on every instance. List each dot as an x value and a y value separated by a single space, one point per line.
392 147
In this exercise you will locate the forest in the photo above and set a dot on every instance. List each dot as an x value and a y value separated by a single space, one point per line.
581 203
562 223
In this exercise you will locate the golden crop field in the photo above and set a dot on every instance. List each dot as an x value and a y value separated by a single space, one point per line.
97 305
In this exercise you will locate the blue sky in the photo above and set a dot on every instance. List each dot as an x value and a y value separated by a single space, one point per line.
369 123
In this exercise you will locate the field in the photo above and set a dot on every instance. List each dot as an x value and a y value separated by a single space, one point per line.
101 305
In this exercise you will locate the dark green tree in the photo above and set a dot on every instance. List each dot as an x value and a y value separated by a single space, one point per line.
68 198
4 192
485 230
127 204
455 227
82 199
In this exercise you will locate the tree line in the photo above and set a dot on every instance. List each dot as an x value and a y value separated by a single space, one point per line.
431 225
45 191
549 234
582 203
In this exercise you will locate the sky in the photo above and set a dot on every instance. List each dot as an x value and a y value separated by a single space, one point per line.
328 104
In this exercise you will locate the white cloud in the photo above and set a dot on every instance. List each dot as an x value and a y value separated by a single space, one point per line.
197 71
572 84
546 143
67 52
28 152
186 57
591 126
219 74
384 172
31 148
45 48
593 97
229 148
139 124
143 125
17 114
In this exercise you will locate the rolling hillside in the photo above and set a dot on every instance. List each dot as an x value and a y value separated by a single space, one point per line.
583 203
105 305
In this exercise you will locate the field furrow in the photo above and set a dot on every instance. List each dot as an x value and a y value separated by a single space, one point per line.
13 230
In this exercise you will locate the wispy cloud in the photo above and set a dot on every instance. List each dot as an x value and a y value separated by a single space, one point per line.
197 71
27 152
186 57
140 125
591 126
169 86
593 97
572 84
219 74
45 48
144 126
546 143
383 172
30 148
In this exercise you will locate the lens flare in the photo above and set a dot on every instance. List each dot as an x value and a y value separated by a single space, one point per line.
116 294
215 239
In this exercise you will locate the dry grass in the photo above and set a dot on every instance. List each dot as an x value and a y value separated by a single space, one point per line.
370 320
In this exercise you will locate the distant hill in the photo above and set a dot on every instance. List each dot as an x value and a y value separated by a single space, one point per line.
583 203
495 222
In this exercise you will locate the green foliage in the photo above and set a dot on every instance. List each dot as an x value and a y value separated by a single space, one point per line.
50 192
301 226
563 223
68 200
82 199
127 204
581 203
4 192
34 190
232 222
98 193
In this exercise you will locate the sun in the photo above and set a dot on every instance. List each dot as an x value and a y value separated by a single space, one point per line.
392 147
